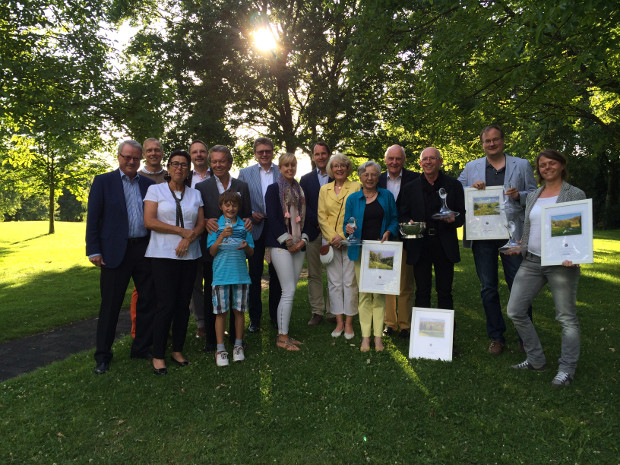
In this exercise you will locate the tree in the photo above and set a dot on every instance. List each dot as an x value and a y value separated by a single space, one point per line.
54 88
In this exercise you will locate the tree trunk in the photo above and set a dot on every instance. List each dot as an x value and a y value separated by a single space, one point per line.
51 210
612 195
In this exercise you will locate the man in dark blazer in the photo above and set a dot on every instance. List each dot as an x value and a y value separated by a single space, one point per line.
439 248
394 179
311 184
221 160
116 241
258 177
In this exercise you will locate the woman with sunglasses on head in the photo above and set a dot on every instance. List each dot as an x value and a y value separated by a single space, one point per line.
173 212
532 276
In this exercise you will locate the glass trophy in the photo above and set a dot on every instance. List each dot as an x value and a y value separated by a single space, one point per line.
229 242
514 225
445 211
412 230
351 239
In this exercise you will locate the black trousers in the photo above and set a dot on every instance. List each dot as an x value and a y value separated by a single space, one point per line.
174 283
255 268
113 283
432 256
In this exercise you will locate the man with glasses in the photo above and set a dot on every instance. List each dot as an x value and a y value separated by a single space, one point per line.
496 169
394 179
200 159
439 248
258 177
116 241
221 160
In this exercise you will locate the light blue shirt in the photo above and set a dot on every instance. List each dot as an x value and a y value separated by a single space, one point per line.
230 265
135 206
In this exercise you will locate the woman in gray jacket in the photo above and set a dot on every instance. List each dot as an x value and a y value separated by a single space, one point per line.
532 276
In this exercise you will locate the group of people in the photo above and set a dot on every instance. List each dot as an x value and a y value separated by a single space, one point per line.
180 232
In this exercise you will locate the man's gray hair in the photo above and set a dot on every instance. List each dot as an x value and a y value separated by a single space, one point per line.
402 149
437 152
221 149
364 166
152 139
134 143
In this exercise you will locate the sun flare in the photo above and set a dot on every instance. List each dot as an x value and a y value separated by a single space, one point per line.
264 39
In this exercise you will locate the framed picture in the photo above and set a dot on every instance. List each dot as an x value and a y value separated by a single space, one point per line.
484 215
566 233
431 334
380 267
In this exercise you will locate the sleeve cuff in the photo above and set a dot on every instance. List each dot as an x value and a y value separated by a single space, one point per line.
283 238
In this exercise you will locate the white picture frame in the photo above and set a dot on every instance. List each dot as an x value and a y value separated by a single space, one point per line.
567 233
485 218
432 332
380 267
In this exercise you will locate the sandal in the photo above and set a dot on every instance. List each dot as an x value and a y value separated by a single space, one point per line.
287 345
294 341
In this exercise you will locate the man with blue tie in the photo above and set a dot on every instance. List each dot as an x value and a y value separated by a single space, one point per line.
311 184
116 241
258 177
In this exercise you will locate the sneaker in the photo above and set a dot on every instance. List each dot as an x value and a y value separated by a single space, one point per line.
496 347
562 379
315 320
221 358
238 354
527 366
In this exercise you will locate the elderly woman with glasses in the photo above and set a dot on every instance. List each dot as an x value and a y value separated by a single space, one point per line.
374 210
174 214
341 283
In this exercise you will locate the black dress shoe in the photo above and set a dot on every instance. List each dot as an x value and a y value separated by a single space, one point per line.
102 367
388 331
404 334
160 371
184 363
253 328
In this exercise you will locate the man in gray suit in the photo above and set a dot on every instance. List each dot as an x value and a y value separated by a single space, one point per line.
221 161
258 177
496 169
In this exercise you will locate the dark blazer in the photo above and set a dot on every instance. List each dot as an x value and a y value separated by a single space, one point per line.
274 225
412 208
310 184
107 225
407 177
210 195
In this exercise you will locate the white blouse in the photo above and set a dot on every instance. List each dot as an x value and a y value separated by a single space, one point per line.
534 243
162 245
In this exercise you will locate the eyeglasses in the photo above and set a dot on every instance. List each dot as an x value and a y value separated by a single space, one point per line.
129 159
264 152
176 164
491 141
425 159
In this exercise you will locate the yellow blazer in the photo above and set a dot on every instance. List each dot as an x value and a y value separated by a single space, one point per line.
332 206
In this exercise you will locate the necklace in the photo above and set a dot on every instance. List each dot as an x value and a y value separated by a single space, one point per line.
371 195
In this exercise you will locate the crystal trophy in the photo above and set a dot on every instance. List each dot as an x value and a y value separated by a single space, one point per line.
445 211
351 239
513 225
229 242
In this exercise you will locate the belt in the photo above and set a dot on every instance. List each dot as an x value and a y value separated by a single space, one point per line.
532 257
431 232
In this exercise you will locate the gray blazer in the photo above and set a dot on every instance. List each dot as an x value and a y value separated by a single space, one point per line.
568 193
518 171
251 176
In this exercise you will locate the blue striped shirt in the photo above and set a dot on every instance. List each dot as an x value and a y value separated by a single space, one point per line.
135 206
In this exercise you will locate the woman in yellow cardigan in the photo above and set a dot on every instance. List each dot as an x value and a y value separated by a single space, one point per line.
341 282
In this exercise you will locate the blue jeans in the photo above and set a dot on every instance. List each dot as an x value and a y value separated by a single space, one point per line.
563 284
485 258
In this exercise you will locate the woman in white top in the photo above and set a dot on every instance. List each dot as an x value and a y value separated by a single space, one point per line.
532 276
173 212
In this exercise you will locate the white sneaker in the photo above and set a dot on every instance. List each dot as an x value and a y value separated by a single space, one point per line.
562 379
238 354
221 358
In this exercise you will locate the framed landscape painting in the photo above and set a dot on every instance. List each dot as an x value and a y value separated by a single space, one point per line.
484 216
380 267
432 330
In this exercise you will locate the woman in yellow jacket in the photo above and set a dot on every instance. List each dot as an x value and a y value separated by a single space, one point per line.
341 282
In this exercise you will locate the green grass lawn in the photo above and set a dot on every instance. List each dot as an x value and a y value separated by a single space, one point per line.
328 403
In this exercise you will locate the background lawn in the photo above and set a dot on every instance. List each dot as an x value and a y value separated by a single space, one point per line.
328 403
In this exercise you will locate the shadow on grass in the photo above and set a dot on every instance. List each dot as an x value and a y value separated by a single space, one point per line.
29 239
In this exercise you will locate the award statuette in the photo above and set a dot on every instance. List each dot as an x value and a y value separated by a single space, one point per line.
229 242
351 239
513 224
445 211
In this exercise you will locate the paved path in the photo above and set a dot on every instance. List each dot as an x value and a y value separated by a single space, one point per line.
24 355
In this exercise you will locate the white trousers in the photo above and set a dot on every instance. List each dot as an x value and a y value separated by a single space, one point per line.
342 284
288 266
